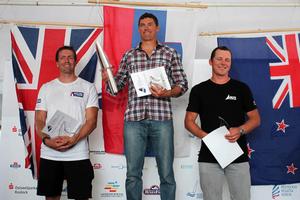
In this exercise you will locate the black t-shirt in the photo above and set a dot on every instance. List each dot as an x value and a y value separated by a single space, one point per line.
230 101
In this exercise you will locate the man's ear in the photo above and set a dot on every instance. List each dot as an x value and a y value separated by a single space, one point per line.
158 29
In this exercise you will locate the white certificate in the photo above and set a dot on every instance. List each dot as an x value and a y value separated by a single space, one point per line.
143 80
61 124
224 151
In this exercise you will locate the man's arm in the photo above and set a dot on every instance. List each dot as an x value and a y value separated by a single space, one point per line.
252 122
90 124
40 122
190 124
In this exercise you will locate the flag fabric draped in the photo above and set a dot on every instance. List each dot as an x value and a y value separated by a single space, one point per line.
33 61
270 65
177 30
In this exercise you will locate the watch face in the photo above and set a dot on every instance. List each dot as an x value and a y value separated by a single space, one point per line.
242 131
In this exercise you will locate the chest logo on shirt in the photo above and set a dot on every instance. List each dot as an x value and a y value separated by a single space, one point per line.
230 98
77 94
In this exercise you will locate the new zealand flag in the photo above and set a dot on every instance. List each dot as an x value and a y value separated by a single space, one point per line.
271 67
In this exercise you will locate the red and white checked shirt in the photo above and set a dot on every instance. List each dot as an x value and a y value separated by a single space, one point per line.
137 60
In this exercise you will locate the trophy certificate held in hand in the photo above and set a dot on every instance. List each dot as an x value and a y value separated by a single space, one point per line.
143 80
224 151
61 124
107 66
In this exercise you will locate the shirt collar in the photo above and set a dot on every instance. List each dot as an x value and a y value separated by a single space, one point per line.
158 45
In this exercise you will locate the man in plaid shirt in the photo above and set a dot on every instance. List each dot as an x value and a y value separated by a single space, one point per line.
149 118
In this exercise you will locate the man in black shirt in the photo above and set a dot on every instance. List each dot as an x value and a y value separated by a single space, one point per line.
222 100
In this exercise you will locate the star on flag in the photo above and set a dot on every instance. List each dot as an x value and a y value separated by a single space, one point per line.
291 169
249 150
281 126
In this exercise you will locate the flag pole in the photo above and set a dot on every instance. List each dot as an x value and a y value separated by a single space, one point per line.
193 4
49 23
249 31
150 4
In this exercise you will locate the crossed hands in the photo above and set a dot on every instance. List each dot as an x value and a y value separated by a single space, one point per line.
62 143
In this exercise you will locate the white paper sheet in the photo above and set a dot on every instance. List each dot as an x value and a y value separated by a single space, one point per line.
224 151
61 124
143 80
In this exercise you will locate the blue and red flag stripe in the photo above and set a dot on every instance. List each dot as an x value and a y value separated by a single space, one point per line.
33 60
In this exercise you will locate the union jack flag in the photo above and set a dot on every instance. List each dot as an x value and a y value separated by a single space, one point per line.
270 66
288 69
33 61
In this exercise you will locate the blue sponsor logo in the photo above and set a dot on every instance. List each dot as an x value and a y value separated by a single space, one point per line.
195 192
77 94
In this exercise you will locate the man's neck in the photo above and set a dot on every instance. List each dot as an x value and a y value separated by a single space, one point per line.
148 46
220 79
67 78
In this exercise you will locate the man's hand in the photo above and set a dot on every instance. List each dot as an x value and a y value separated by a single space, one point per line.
158 91
68 142
233 135
55 143
104 75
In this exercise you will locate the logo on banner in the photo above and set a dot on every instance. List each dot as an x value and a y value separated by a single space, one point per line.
186 166
15 165
97 166
112 190
275 192
11 186
21 189
120 166
153 190
16 130
195 193
284 191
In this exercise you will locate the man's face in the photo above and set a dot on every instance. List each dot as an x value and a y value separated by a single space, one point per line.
148 29
66 62
221 63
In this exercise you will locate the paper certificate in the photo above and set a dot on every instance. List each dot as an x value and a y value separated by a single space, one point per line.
61 124
224 151
143 80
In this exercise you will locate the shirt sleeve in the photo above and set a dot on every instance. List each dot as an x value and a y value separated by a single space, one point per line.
41 102
248 100
92 98
193 105
177 73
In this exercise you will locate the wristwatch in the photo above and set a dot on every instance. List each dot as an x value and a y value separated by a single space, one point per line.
44 139
242 131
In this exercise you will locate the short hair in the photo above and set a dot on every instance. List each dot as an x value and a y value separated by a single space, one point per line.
148 15
223 48
65 48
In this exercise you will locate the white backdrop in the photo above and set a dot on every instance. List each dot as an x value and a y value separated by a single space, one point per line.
17 182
